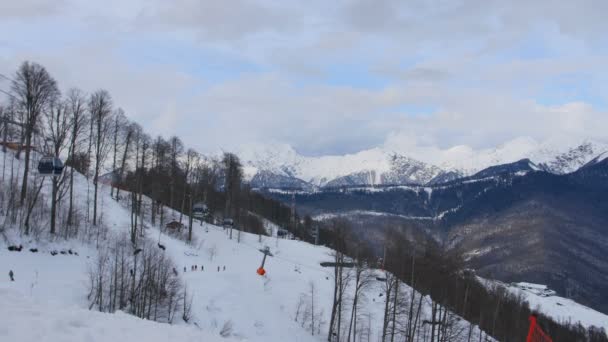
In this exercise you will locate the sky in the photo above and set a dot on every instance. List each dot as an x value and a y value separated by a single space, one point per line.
328 77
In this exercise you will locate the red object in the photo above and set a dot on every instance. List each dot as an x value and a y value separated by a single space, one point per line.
535 333
261 271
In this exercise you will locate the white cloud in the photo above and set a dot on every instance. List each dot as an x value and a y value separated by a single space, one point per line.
466 64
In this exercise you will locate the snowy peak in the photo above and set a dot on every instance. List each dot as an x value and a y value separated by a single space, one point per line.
573 159
556 155
366 168
520 167
280 166
600 159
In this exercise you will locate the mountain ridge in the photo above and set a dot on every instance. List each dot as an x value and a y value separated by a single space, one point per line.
280 166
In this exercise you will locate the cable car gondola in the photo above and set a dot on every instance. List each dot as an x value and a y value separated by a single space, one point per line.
50 166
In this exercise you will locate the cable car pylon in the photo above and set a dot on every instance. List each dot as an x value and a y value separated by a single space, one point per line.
266 251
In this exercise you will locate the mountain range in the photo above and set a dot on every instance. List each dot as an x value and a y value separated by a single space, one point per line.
526 220
280 166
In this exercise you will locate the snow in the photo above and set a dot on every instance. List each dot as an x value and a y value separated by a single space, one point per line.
47 300
559 308
283 160
26 319
560 154
564 309
556 154
329 216
600 158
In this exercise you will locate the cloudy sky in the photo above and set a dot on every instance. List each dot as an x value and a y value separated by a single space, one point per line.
328 77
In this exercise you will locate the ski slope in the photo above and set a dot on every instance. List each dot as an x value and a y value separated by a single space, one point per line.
25 319
559 308
48 299
562 309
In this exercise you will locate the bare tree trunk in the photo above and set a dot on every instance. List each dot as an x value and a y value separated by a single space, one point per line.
418 311
394 314
336 298
190 221
124 158
387 299
26 169
31 207
54 205
432 323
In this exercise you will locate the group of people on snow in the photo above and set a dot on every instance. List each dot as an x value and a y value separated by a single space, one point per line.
195 268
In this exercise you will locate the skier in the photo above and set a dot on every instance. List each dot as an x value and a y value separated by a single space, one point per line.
184 269
218 268
11 275
202 268
224 267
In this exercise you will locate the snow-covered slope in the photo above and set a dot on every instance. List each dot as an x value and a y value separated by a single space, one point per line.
541 299
26 319
48 299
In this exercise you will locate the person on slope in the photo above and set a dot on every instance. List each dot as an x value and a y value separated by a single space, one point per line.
11 275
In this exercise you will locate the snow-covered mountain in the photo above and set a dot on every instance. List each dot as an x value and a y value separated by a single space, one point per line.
279 165
558 155
370 167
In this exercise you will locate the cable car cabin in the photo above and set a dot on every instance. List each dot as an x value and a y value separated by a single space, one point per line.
200 210
50 166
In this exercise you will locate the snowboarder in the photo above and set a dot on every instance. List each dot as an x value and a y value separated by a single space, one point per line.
11 275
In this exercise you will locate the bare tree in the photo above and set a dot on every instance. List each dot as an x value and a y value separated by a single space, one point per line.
34 90
341 280
233 175
76 106
191 161
100 108
130 132
143 282
362 279
57 131
119 127
177 148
